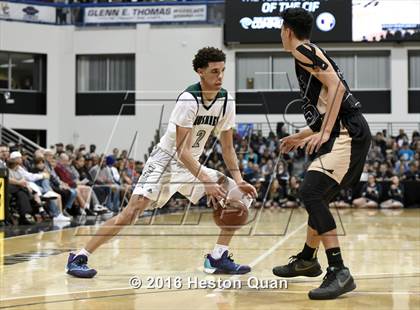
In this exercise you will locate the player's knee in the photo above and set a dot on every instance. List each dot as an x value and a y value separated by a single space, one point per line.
322 222
310 197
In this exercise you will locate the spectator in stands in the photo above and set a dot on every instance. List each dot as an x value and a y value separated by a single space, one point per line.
81 150
375 153
267 170
126 181
4 155
20 190
259 186
265 156
31 178
401 167
124 154
115 153
381 143
401 138
114 178
371 194
252 156
67 193
384 173
63 171
413 174
131 171
282 174
59 148
293 198
365 174
406 153
214 160
102 177
395 195
55 205
83 178
26 163
275 195
92 149
70 150
415 136
343 200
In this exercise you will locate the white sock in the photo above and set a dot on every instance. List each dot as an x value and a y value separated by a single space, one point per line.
218 251
83 252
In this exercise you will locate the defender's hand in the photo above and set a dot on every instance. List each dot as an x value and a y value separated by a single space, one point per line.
289 143
313 143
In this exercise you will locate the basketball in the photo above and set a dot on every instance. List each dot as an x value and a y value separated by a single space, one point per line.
231 215
231 212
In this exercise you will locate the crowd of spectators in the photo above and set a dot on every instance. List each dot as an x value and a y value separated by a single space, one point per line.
64 181
277 178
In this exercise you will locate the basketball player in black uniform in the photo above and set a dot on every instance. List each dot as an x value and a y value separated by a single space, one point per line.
337 138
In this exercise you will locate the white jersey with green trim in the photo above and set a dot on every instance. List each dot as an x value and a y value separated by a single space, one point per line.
191 112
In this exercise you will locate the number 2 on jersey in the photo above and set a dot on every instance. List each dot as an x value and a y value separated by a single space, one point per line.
200 135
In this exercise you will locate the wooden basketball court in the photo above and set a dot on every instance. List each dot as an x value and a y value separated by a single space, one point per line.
382 249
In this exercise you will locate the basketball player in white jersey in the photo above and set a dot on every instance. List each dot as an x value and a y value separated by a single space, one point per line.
173 165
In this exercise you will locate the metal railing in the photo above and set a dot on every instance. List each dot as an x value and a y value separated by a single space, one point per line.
9 136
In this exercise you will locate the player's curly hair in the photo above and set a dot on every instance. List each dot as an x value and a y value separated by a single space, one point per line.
206 55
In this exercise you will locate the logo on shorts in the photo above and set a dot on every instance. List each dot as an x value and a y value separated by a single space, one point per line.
150 190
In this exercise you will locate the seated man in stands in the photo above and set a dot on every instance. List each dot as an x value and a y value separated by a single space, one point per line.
83 177
102 177
63 171
55 205
4 155
20 190
30 178
67 193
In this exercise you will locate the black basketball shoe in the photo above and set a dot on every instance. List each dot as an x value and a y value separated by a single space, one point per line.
298 267
336 282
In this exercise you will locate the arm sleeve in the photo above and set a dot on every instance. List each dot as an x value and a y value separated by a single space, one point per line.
31 177
185 111
228 120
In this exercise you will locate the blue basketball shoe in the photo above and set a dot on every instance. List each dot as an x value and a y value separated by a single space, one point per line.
224 265
77 266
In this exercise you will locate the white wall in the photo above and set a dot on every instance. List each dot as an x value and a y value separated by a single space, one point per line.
163 68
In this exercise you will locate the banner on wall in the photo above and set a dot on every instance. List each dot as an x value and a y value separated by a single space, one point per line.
27 12
258 21
145 14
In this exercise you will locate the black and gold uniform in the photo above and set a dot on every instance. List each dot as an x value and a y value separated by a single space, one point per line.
342 157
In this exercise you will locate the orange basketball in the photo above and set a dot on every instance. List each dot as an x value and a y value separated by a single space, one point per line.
232 215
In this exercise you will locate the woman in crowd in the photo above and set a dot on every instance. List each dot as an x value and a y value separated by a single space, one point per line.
371 194
395 195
